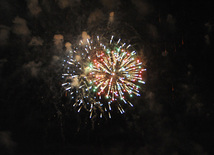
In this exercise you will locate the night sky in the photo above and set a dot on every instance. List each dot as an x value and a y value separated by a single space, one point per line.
174 114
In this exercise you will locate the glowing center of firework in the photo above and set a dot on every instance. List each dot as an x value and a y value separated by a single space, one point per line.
113 74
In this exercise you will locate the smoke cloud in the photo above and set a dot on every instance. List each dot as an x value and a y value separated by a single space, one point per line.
58 41
110 4
36 41
95 17
143 7
171 22
170 19
67 3
78 57
4 34
75 82
34 67
152 30
68 46
34 7
208 26
111 17
153 105
55 58
85 36
7 145
20 27
207 39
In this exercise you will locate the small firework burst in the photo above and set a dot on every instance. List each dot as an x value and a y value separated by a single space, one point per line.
75 81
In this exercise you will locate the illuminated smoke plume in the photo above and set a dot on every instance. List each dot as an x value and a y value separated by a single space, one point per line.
85 36
36 41
34 7
58 41
20 27
34 67
68 46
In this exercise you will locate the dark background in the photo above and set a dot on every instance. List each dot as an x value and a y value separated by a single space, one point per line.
174 115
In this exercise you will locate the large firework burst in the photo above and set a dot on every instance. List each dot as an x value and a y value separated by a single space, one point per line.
106 72
116 73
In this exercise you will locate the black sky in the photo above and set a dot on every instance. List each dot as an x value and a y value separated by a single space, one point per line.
174 115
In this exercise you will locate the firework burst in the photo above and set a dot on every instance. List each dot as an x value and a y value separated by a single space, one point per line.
76 83
109 73
115 73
